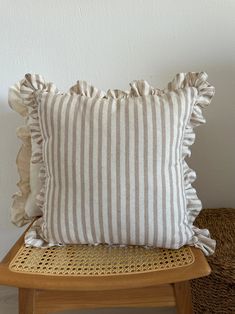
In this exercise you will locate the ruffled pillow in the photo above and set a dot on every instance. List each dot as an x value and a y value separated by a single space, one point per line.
29 202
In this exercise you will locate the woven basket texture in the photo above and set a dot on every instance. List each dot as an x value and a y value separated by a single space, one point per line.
215 294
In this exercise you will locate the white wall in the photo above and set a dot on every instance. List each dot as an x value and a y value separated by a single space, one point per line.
109 43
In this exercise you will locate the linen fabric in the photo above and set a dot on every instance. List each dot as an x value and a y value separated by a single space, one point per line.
24 207
112 165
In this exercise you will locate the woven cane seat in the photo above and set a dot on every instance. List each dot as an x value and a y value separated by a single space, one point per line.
85 260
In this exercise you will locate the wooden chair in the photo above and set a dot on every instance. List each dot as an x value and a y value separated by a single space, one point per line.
77 277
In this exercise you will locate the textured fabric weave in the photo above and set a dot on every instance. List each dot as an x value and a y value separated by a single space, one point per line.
113 169
112 166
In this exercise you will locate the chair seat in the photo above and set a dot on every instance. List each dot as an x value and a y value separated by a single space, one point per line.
101 260
85 268
84 276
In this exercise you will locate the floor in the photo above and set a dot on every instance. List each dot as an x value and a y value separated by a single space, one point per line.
9 305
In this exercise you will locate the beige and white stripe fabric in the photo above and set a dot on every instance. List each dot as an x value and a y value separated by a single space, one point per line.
113 164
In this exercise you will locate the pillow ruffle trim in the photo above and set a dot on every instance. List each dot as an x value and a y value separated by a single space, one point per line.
201 237
18 214
22 99
34 84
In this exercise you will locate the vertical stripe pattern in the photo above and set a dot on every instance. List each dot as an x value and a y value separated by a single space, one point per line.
114 168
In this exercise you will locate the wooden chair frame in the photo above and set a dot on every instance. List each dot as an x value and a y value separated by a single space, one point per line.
44 294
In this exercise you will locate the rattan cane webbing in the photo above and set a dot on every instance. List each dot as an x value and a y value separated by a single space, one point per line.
215 294
85 260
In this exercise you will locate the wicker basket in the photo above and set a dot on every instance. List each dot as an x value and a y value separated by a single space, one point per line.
215 294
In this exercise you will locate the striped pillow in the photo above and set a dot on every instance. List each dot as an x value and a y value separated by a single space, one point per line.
113 165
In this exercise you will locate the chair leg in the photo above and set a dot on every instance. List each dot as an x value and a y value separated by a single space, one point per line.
183 297
26 301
